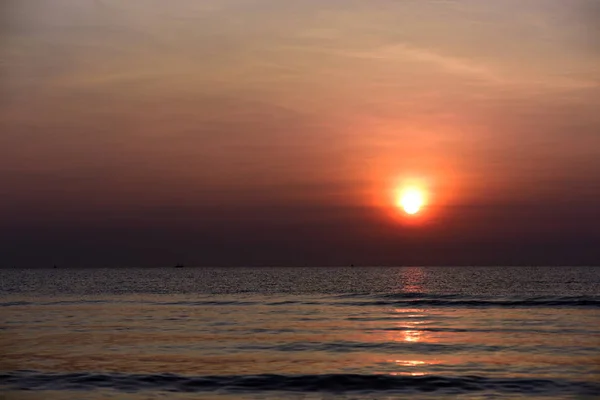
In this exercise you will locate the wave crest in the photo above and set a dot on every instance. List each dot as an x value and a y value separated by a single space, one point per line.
305 383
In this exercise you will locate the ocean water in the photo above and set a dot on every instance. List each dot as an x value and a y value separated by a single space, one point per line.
300 333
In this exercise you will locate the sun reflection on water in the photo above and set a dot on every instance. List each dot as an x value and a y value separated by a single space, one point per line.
409 328
412 336
411 367
412 279
409 363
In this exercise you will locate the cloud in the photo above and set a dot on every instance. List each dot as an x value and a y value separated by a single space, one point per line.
446 62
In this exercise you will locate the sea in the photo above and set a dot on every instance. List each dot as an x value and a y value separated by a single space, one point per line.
300 333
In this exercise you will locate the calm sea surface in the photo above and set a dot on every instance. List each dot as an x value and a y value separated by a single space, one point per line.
300 333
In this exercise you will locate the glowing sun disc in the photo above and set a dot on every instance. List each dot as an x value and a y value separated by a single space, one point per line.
411 201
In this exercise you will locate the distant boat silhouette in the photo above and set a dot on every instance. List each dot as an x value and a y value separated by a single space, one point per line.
179 266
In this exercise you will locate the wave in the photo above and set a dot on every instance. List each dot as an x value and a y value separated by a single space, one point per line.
159 303
406 347
454 300
345 347
336 383
363 299
561 331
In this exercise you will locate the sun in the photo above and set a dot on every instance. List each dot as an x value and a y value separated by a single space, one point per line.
411 200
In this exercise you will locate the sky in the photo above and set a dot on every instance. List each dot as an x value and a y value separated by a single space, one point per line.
272 132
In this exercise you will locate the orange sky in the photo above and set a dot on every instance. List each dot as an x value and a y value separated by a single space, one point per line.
153 114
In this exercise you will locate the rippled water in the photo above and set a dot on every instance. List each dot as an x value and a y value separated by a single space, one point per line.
355 333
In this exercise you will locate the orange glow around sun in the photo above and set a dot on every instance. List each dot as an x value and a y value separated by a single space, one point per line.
420 196
407 200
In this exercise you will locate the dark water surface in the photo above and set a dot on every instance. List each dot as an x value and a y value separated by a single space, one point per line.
300 333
